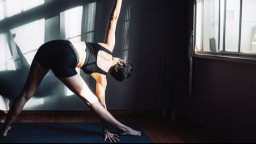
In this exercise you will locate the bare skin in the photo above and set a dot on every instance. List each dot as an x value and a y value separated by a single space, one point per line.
78 86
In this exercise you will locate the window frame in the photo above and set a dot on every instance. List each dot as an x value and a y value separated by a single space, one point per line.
223 55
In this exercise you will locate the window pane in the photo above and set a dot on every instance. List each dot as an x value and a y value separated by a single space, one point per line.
232 25
207 25
199 25
211 25
222 23
248 39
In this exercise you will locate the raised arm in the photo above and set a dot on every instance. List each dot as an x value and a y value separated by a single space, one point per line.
111 29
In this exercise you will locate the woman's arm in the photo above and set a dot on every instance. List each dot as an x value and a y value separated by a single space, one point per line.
111 29
101 85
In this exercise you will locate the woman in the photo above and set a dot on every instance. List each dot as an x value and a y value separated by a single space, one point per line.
62 57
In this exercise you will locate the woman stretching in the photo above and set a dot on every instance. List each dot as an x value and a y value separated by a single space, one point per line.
63 57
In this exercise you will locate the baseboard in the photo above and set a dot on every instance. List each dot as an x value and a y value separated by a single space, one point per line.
79 112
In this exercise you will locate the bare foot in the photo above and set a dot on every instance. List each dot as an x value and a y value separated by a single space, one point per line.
130 131
4 133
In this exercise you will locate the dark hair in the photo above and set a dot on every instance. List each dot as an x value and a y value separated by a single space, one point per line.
122 71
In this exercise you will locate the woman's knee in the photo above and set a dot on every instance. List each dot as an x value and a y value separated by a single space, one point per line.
92 100
24 96
89 98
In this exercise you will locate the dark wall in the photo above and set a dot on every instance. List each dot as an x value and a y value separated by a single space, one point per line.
158 50
224 97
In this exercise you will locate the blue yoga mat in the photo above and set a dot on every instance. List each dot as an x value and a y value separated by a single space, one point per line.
65 133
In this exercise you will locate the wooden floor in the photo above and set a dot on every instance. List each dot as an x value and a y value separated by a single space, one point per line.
159 129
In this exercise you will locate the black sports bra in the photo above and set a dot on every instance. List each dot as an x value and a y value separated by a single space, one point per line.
90 65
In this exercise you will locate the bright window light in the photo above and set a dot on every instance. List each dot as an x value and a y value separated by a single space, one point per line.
29 4
13 7
2 10
4 103
199 26
227 26
6 60
73 22
68 91
33 103
29 37
248 39
10 8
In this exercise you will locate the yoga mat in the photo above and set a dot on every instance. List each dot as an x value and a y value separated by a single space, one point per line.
65 133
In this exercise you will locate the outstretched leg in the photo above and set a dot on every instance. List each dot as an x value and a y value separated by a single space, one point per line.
36 74
80 88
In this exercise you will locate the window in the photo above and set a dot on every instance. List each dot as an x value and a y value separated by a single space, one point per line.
10 8
225 26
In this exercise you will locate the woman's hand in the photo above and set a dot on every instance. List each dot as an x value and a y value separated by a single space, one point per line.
108 136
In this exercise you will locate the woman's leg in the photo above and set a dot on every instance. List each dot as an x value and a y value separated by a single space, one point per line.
36 74
80 88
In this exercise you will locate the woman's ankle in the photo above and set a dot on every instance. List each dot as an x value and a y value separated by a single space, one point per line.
129 131
4 131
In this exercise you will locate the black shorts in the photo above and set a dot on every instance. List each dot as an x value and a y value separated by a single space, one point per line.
59 56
